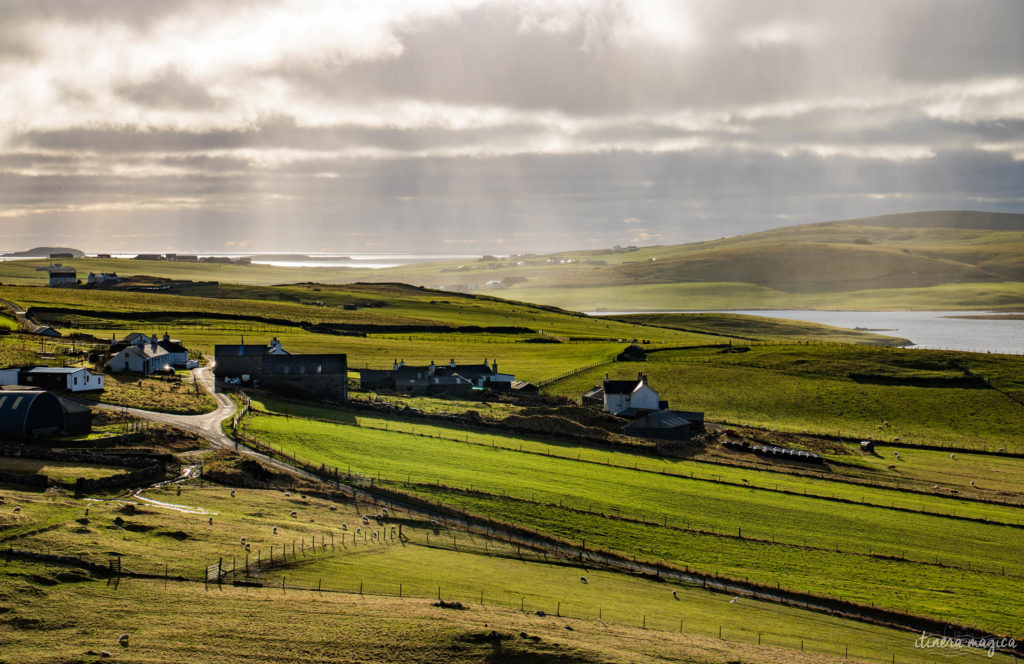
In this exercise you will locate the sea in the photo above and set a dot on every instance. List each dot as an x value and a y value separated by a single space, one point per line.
944 330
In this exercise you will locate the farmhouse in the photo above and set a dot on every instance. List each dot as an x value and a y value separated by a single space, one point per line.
102 278
73 379
437 379
161 352
273 366
61 275
628 398
139 358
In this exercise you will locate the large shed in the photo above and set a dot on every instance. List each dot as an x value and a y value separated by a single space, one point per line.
30 413
666 425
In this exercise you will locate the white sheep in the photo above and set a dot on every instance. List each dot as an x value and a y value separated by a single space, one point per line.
232 493
952 456
287 495
248 546
243 539
366 521
359 531
344 526
293 514
17 510
583 579
675 596
123 640
734 600
87 511
275 530
972 482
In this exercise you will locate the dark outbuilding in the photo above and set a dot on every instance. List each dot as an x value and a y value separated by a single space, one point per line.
30 413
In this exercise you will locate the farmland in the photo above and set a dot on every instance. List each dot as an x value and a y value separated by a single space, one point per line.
541 486
366 577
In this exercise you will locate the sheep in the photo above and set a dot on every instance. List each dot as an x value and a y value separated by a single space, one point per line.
123 640
243 539
734 600
333 508
583 579
87 511
359 531
17 510
373 535
287 495
211 520
952 456
232 493
293 514
675 596
179 490
248 546
275 530
366 521
935 486
379 516
972 482
344 526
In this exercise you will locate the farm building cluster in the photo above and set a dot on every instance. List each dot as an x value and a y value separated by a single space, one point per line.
450 378
649 415
273 366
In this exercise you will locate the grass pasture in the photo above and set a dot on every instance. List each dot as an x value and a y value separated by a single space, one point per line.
806 387
159 614
64 471
828 558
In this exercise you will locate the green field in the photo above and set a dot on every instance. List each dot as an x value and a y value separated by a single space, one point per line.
801 387
679 502
64 471
92 613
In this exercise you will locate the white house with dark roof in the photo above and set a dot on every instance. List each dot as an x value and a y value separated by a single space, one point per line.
139 358
630 397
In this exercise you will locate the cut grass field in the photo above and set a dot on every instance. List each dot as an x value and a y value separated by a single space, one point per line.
157 614
802 533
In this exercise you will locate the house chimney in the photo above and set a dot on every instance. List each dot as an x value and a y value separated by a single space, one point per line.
494 365
606 375
167 337
640 377
401 364
394 366
451 363
431 369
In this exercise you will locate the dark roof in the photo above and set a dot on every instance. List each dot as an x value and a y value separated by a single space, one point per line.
620 386
662 419
240 350
23 411
594 393
172 346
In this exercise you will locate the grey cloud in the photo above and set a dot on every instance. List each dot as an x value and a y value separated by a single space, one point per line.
168 89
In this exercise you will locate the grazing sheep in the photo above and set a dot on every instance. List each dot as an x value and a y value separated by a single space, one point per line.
379 516
211 520
952 456
675 596
333 508
896 439
87 511
935 486
287 495
232 493
17 510
243 539
275 530
123 640
373 535
734 600
385 511
248 546
344 526
179 490
583 579
293 514
972 482
359 531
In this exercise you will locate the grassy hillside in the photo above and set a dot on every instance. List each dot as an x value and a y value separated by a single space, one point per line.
927 260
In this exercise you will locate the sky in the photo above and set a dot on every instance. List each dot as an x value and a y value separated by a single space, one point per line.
472 126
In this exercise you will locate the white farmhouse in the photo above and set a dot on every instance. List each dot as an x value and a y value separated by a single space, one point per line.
140 358
630 397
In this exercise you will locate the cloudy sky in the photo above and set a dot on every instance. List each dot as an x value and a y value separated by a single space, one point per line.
465 126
